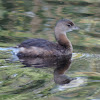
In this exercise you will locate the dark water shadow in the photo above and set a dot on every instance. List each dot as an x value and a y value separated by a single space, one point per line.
59 64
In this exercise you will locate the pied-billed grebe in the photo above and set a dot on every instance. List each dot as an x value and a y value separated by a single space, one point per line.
42 48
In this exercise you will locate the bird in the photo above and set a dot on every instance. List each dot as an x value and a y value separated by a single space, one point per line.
43 48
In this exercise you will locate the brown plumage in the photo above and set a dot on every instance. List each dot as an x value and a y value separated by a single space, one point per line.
41 48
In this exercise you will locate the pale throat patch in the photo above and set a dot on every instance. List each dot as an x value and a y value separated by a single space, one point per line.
69 30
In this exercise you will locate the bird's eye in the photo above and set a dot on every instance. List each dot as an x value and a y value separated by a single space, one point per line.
68 25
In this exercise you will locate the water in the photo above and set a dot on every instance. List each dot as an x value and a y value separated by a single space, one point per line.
38 79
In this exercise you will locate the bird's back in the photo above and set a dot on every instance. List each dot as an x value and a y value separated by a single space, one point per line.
40 43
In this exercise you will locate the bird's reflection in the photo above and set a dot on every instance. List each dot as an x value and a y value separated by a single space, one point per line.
60 65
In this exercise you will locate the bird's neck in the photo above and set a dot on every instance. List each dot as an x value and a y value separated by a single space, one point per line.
63 40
